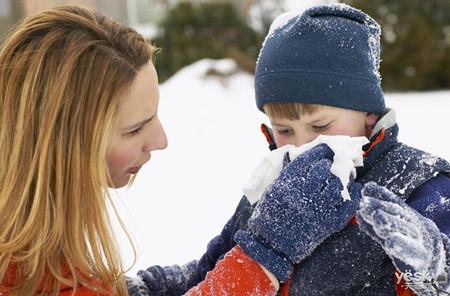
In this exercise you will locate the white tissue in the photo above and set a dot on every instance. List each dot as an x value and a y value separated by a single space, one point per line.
348 155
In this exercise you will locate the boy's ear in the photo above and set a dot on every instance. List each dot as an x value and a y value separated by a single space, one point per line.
371 119
267 131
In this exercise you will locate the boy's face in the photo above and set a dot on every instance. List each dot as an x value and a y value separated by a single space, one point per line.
325 121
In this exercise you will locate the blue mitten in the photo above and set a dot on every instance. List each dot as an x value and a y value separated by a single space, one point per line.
414 242
299 210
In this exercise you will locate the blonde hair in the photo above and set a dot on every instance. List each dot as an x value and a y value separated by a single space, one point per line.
291 111
63 74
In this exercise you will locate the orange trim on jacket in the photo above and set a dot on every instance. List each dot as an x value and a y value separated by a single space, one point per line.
284 290
236 274
378 139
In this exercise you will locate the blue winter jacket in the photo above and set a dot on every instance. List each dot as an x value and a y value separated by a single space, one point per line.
348 262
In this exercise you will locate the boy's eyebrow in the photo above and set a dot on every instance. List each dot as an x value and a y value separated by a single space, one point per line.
274 122
138 124
313 119
318 119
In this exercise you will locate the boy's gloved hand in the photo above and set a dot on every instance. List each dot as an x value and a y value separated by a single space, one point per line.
299 210
414 242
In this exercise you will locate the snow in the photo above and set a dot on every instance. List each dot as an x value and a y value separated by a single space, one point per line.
281 21
296 5
185 194
409 239
348 154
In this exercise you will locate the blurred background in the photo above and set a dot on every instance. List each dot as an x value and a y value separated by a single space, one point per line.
415 41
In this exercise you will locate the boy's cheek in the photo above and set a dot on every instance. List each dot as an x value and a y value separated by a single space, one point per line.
281 141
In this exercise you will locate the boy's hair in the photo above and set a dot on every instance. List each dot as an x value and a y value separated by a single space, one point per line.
63 75
291 111
327 55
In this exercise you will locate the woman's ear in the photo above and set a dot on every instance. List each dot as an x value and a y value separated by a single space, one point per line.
371 119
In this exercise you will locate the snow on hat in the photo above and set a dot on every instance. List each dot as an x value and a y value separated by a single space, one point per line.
329 55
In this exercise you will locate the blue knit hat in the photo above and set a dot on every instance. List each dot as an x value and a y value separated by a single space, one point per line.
329 55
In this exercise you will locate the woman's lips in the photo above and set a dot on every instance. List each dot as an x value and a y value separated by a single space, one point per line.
134 170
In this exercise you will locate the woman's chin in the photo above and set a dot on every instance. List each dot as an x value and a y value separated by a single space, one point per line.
120 182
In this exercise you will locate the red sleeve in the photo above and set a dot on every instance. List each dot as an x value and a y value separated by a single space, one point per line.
83 291
65 290
236 274
80 292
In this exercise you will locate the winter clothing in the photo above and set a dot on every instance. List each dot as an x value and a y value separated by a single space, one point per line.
309 207
329 55
65 290
236 274
413 242
236 267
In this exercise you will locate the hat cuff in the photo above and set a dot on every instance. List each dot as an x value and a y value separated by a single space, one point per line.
319 87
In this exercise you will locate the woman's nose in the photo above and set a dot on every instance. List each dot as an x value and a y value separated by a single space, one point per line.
157 139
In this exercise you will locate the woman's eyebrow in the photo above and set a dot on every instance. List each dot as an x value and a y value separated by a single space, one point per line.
139 124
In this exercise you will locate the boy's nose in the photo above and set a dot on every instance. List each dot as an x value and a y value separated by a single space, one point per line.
303 139
299 142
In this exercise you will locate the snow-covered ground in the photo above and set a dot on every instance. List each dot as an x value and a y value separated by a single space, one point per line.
186 193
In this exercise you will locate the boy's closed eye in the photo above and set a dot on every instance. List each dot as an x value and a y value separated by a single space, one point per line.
284 131
321 128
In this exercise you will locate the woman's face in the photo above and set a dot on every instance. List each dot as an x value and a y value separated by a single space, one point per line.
137 130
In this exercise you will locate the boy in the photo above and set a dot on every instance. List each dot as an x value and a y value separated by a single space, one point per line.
317 73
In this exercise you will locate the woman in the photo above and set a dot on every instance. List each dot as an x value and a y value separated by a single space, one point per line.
70 82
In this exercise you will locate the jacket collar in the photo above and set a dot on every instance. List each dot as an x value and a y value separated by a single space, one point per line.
383 137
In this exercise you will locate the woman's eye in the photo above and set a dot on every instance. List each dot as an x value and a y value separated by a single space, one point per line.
136 131
321 128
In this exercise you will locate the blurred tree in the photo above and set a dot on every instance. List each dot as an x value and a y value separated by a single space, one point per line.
261 13
415 45
192 31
